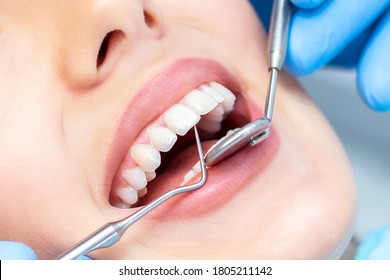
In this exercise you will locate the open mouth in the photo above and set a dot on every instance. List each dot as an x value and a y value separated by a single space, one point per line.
165 146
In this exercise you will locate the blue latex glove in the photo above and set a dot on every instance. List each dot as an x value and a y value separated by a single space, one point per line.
15 251
18 251
344 33
375 246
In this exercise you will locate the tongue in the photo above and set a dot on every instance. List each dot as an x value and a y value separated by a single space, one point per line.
174 172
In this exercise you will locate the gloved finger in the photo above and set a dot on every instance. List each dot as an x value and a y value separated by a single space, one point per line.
317 36
375 246
84 258
307 4
374 68
349 57
263 8
15 251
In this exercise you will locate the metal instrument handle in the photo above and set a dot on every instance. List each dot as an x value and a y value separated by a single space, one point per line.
278 32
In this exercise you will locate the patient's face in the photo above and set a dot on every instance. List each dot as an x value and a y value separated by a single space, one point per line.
95 93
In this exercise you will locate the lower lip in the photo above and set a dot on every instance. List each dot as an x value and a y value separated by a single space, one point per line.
224 180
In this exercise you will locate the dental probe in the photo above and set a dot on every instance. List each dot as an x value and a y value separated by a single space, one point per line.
111 233
277 46
256 131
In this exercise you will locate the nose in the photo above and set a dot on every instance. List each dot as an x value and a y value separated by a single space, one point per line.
96 34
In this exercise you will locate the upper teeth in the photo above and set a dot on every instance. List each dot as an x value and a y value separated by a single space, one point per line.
180 118
199 102
213 101
162 138
136 178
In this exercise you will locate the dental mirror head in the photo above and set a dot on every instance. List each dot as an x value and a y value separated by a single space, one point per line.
248 135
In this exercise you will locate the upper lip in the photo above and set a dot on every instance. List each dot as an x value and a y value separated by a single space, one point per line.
156 96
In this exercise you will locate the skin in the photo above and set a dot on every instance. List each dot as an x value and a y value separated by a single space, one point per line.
58 114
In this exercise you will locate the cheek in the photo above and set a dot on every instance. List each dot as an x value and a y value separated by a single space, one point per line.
240 39
41 198
233 22
31 179
39 183
238 23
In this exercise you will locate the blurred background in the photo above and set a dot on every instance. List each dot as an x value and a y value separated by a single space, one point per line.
365 135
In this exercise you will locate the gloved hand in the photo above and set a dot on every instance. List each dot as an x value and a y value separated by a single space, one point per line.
344 33
375 246
15 251
18 251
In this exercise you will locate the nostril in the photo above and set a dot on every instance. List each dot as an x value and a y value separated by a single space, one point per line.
103 50
150 21
108 44
153 18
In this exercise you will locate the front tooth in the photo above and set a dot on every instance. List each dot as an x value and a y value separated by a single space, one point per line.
216 115
142 192
196 169
150 176
228 107
209 125
122 205
219 111
135 177
214 118
200 102
231 131
229 96
180 119
146 156
128 195
188 177
162 138
213 93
